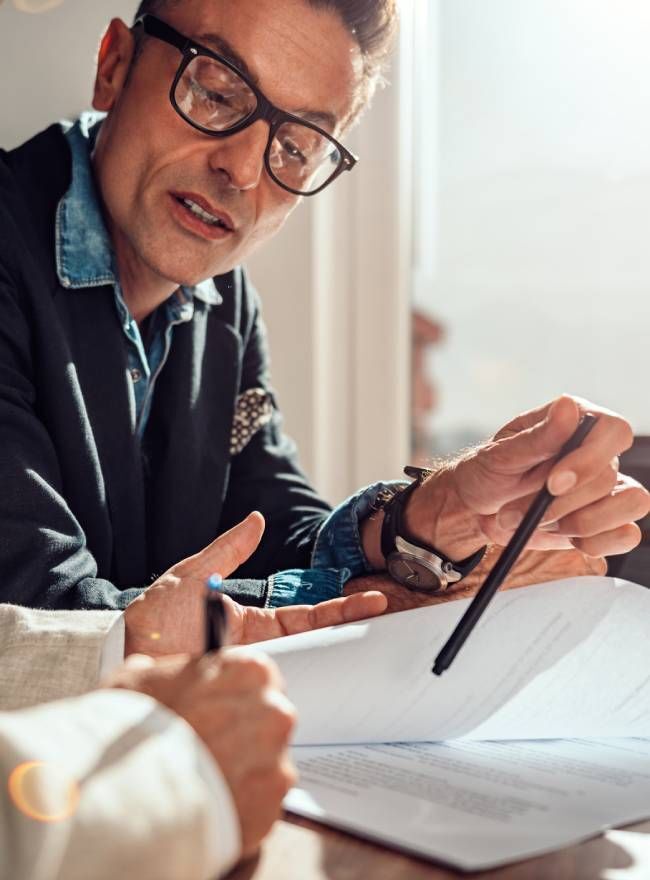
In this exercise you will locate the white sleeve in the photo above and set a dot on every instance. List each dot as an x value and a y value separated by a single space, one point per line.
48 655
152 802
113 648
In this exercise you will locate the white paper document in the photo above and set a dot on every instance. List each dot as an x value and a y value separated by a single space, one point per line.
538 735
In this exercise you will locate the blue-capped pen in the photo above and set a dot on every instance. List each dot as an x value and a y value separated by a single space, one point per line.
216 618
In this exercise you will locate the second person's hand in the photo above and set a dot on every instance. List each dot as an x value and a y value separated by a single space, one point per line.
236 705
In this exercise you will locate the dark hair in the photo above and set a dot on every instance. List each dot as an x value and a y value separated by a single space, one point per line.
373 24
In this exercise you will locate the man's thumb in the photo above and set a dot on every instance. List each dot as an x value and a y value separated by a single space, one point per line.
233 548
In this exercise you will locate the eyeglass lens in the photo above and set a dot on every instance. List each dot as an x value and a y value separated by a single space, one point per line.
215 98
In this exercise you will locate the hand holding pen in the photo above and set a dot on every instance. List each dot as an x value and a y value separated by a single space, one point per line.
480 497
507 558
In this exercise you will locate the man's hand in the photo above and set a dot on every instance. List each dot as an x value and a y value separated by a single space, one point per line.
482 498
237 707
168 617
248 625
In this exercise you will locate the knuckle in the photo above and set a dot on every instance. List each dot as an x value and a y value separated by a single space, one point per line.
280 720
253 671
625 435
285 720
273 678
637 498
260 666
281 778
277 679
629 435
641 498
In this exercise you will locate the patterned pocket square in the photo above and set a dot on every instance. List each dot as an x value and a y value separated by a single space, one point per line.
253 410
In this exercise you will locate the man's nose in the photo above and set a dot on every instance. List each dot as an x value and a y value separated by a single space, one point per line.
240 157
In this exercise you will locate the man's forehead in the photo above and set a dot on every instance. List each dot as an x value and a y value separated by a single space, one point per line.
302 57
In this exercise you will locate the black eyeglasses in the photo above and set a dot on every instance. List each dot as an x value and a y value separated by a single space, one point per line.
213 96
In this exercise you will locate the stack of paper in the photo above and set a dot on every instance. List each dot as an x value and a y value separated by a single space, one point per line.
534 738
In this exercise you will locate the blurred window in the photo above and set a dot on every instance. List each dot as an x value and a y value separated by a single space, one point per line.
532 215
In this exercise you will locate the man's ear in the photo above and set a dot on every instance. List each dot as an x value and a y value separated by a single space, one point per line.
113 62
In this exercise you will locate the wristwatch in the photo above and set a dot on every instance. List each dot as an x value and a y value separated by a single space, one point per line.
409 561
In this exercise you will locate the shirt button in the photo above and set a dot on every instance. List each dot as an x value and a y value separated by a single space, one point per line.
136 375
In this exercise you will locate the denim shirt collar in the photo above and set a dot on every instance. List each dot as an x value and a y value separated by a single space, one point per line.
84 253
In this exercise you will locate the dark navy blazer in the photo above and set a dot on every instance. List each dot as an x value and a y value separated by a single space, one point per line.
89 515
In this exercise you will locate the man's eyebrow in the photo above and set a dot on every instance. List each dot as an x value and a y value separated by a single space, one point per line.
213 41
223 47
321 118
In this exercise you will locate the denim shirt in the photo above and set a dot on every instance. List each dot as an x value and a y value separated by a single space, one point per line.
85 258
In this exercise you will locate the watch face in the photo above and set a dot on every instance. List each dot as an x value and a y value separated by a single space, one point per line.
412 573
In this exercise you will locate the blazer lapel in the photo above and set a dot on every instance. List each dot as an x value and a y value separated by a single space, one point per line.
100 358
187 439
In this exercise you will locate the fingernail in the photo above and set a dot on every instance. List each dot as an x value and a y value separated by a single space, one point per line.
551 527
562 482
509 519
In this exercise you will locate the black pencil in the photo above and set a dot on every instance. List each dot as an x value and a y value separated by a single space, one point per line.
507 559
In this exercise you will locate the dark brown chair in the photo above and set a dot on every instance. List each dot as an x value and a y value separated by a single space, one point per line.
635 566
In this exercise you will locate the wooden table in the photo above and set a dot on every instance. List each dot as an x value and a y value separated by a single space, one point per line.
302 850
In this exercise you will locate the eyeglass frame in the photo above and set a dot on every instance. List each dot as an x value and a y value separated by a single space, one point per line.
264 110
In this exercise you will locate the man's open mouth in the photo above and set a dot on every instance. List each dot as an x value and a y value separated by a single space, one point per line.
201 213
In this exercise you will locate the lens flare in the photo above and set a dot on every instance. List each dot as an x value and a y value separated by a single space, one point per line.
43 791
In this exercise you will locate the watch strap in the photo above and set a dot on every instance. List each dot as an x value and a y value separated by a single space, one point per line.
393 527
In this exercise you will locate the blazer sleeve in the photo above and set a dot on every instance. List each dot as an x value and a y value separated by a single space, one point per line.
49 655
44 558
266 475
122 788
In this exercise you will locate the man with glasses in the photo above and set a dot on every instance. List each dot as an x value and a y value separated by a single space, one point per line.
136 419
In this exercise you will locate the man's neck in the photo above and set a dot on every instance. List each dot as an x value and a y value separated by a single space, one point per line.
143 289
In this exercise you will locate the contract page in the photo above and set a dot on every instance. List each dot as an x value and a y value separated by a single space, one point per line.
475 805
565 659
